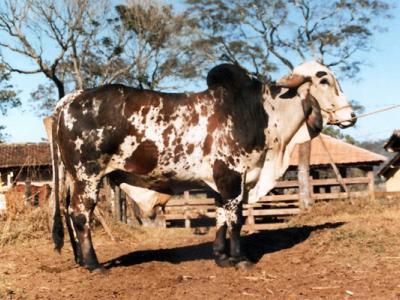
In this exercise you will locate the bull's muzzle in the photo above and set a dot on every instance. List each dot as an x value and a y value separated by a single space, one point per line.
348 123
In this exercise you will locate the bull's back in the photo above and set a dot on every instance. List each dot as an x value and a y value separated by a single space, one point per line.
117 127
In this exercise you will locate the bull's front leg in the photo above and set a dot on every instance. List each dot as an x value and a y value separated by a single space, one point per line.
234 221
220 250
229 216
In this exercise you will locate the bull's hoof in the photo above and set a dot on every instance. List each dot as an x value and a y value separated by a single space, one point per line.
96 269
241 263
223 261
244 265
101 271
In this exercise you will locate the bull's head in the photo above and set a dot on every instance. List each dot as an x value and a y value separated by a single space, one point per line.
321 84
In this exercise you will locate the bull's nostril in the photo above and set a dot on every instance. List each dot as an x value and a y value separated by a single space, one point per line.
353 115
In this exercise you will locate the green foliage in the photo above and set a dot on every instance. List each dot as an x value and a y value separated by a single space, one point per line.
337 133
8 97
160 37
266 35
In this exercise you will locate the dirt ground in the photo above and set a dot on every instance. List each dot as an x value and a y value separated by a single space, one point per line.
338 251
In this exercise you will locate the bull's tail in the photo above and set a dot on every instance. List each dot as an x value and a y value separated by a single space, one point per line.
57 223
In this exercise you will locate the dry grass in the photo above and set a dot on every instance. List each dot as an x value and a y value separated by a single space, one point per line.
32 224
136 234
369 229
344 210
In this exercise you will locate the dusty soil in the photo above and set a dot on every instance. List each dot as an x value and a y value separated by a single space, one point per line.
338 251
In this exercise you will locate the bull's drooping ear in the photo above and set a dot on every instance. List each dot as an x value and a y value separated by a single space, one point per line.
292 81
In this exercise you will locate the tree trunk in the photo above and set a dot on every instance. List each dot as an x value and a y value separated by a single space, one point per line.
303 175
60 87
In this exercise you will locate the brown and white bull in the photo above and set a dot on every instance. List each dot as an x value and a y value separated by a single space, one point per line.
236 137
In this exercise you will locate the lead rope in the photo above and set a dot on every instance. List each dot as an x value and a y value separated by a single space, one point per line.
368 113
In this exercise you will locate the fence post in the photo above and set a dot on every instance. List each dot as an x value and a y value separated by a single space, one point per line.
28 192
371 185
123 207
250 219
117 203
303 175
186 197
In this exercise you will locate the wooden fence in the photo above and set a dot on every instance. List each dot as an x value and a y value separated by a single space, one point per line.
270 212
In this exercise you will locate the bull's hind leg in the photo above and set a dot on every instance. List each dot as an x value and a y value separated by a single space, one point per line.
84 199
71 232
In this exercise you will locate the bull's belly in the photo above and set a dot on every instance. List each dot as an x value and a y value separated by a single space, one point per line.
176 178
163 184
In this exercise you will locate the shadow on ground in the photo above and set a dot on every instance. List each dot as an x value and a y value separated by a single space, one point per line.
255 245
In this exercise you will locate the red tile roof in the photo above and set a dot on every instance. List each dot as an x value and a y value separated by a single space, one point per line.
30 154
341 153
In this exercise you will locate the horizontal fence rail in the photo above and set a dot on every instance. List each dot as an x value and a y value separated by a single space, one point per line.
269 212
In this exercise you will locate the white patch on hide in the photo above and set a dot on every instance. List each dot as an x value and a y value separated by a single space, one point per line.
67 99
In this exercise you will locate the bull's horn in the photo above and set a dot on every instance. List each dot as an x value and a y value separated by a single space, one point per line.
292 81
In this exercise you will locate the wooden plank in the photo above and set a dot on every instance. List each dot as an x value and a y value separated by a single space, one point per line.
328 181
191 207
327 196
287 184
190 201
272 198
273 212
256 212
334 181
181 216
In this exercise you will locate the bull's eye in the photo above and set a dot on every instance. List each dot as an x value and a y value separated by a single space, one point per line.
324 81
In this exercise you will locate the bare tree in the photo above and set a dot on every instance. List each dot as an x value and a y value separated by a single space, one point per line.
42 32
159 45
78 44
265 35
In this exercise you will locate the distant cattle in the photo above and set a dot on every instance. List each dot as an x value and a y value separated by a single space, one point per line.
16 197
236 137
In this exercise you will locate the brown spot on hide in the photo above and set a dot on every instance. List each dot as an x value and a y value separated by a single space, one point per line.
145 111
144 159
178 152
204 110
190 149
166 134
213 122
207 144
137 100
195 118
169 174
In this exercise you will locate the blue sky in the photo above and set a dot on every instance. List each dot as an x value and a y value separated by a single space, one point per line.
377 86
